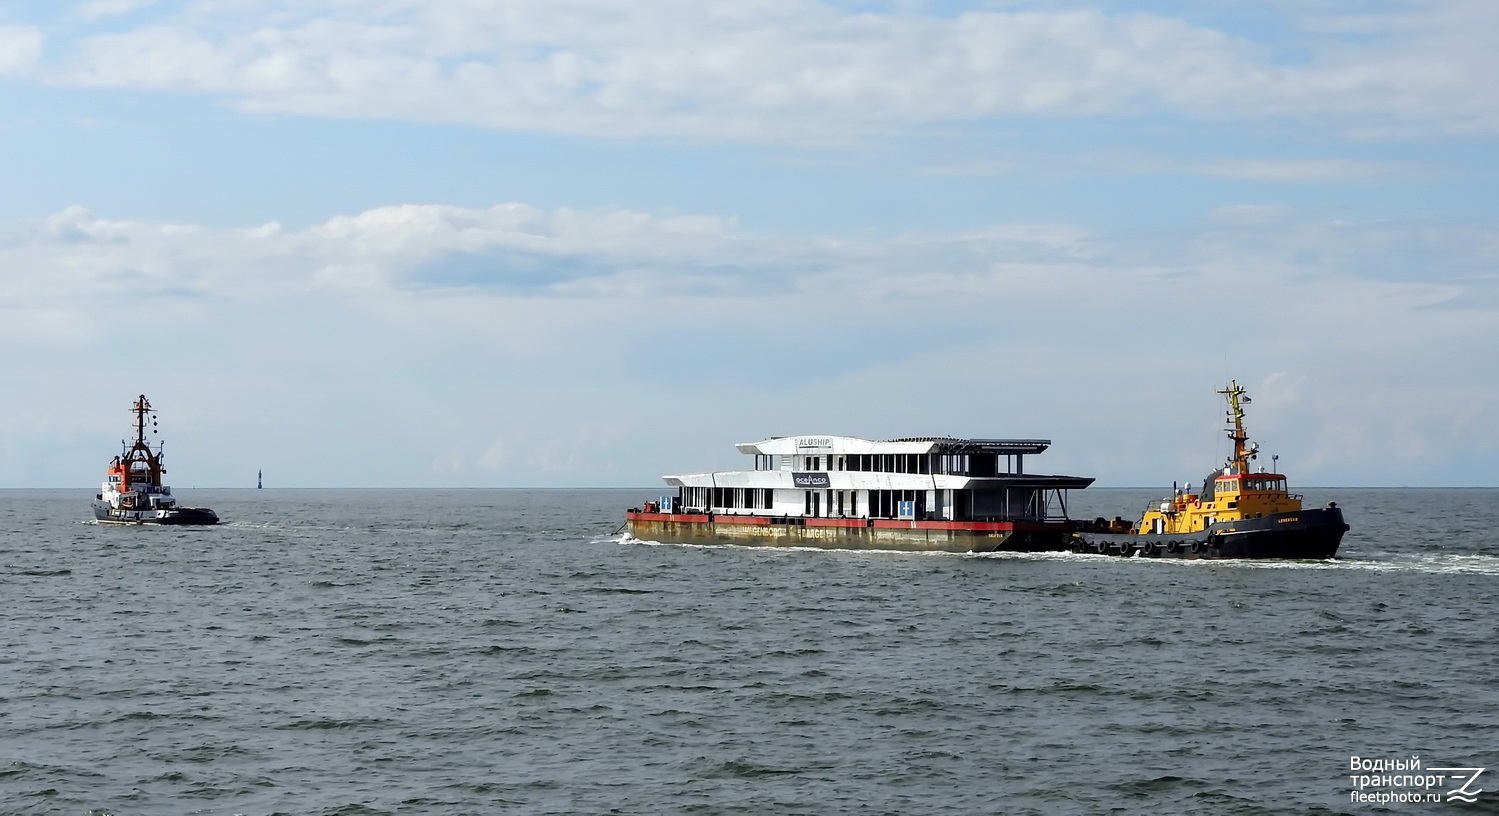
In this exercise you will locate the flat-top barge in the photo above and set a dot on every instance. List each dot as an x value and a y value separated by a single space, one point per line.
919 493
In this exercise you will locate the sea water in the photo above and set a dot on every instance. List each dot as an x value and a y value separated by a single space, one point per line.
511 651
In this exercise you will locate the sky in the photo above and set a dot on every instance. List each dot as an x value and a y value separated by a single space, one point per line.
584 243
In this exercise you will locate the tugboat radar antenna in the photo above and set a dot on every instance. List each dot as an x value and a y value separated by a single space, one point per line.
141 409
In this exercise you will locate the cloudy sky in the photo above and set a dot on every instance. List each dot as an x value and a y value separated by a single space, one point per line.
587 242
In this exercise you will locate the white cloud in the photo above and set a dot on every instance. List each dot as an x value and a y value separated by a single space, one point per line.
583 327
20 48
518 250
786 70
1266 169
1251 213
96 9
1292 170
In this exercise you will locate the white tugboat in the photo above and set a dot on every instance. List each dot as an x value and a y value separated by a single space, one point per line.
133 493
924 493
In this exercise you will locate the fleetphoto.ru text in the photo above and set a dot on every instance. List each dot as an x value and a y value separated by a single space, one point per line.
1400 781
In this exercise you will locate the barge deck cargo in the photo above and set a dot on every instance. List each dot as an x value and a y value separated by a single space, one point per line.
920 493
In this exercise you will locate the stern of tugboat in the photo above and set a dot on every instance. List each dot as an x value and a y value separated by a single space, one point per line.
191 515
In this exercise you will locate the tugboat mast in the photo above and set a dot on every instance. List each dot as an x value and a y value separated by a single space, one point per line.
1243 452
141 409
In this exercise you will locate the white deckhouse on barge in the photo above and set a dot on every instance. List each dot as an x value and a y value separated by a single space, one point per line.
920 493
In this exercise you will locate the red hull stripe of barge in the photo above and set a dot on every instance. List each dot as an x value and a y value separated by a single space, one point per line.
667 517
890 524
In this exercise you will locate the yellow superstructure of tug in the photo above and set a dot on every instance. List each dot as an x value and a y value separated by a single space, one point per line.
1231 493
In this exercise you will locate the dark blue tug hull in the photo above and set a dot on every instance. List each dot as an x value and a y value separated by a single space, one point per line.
175 516
1301 535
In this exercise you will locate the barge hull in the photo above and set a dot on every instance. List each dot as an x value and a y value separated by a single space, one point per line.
850 534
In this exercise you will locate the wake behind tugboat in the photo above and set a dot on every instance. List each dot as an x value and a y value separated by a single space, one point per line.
132 492
1237 514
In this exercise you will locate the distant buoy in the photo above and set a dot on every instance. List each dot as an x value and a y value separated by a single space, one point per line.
259 479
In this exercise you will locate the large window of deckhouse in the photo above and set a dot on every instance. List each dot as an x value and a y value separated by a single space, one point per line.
694 498
886 503
983 464
740 498
888 463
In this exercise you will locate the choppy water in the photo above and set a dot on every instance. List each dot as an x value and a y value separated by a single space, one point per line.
465 652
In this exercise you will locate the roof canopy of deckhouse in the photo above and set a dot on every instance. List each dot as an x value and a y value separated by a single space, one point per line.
790 445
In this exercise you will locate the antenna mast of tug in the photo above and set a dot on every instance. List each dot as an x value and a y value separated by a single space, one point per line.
1237 399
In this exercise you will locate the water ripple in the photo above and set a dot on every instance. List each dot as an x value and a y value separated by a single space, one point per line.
457 652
